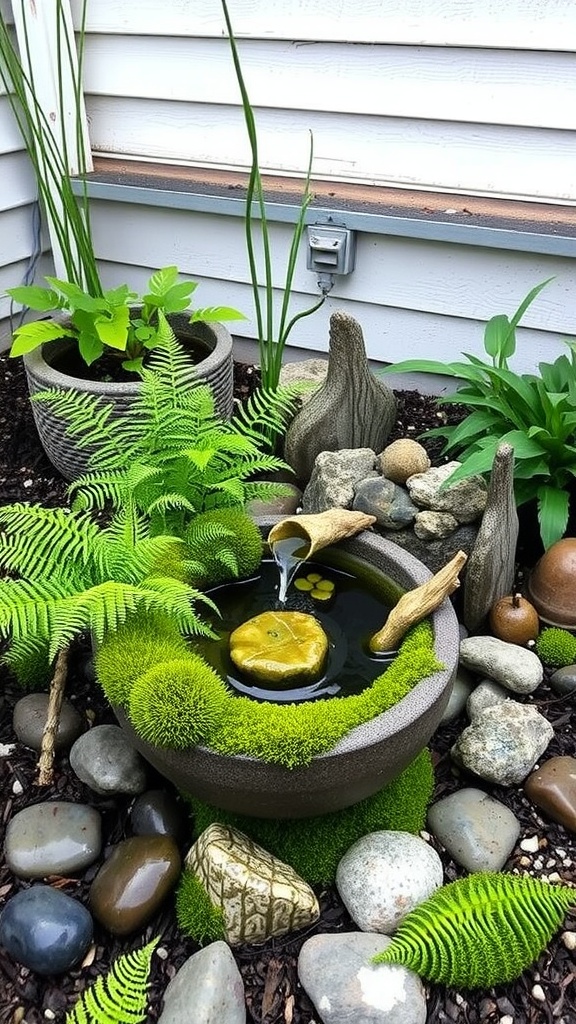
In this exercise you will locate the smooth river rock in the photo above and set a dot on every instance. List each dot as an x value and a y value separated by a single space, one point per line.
552 787
210 982
485 695
384 875
29 719
503 742
157 813
260 896
563 680
45 930
55 838
105 760
134 882
478 831
347 988
514 667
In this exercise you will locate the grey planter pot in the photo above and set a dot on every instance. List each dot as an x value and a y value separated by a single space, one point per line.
361 763
216 369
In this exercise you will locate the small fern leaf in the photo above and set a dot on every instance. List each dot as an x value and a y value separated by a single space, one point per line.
120 996
479 931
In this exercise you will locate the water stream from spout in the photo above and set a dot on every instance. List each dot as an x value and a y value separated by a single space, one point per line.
289 554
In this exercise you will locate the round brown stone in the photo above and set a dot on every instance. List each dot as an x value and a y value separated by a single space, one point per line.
134 882
552 787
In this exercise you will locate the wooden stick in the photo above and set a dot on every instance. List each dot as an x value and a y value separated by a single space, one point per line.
417 604
57 687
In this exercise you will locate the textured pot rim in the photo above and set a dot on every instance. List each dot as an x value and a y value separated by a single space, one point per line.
425 693
36 362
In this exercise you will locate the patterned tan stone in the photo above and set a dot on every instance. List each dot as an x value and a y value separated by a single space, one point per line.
259 895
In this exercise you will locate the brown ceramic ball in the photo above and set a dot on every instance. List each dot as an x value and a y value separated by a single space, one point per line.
403 458
552 584
514 619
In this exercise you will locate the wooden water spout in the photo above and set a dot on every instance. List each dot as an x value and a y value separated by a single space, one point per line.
416 604
321 529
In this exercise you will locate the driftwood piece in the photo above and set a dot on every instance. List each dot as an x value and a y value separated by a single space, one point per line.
320 529
490 570
57 687
351 409
416 604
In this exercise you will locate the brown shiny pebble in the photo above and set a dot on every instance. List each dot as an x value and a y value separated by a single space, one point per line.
552 787
134 882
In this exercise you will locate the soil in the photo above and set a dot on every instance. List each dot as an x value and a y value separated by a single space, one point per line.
544 994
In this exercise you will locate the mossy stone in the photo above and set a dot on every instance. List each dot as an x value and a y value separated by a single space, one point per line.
279 647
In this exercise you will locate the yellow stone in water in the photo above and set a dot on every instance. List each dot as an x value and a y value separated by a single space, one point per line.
302 584
320 595
280 647
325 585
313 577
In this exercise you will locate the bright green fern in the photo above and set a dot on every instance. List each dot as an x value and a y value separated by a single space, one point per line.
171 455
222 545
120 996
480 931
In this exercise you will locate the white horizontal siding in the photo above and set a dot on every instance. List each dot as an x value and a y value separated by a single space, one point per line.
494 86
531 24
482 159
12 275
413 298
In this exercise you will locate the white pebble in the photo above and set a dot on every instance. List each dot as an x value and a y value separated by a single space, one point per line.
561 853
538 993
569 940
530 845
525 862
17 788
506 1019
49 1014
538 864
554 877
550 862
162 953
6 749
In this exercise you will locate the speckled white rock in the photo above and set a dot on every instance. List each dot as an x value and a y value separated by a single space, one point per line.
503 742
385 875
465 500
210 982
516 668
485 695
346 988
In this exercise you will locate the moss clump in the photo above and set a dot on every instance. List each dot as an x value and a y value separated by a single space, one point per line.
223 544
314 846
556 647
132 649
196 915
177 704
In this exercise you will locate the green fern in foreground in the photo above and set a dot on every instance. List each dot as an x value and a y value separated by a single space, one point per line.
120 996
479 931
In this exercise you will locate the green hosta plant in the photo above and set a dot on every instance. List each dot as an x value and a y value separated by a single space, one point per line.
117 321
121 995
535 413
480 931
171 456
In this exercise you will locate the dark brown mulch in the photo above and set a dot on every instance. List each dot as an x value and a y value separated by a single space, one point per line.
273 995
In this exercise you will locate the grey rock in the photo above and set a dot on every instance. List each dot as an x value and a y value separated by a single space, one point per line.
345 986
29 719
476 830
384 875
157 813
435 553
514 667
462 687
563 681
312 371
466 499
490 570
434 525
45 930
387 501
503 743
351 409
207 989
55 838
334 477
485 695
104 759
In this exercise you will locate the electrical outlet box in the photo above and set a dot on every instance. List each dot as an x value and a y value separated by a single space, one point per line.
331 250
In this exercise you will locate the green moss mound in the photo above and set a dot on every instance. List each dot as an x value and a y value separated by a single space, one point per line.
223 544
314 846
178 703
132 649
556 647
196 915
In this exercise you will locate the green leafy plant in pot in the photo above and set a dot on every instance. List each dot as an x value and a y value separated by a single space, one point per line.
535 413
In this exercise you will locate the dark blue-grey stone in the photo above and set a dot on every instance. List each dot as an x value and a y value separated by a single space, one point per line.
45 930
157 813
563 681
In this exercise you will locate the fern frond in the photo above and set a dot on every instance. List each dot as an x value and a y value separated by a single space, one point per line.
480 931
87 417
121 995
38 541
266 413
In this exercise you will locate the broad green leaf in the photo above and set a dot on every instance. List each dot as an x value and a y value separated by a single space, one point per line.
162 280
41 299
113 331
177 298
524 447
478 462
90 347
76 298
495 337
426 366
132 365
215 314
477 423
553 509
120 296
528 468
31 336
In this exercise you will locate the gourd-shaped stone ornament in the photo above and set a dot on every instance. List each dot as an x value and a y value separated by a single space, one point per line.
351 409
